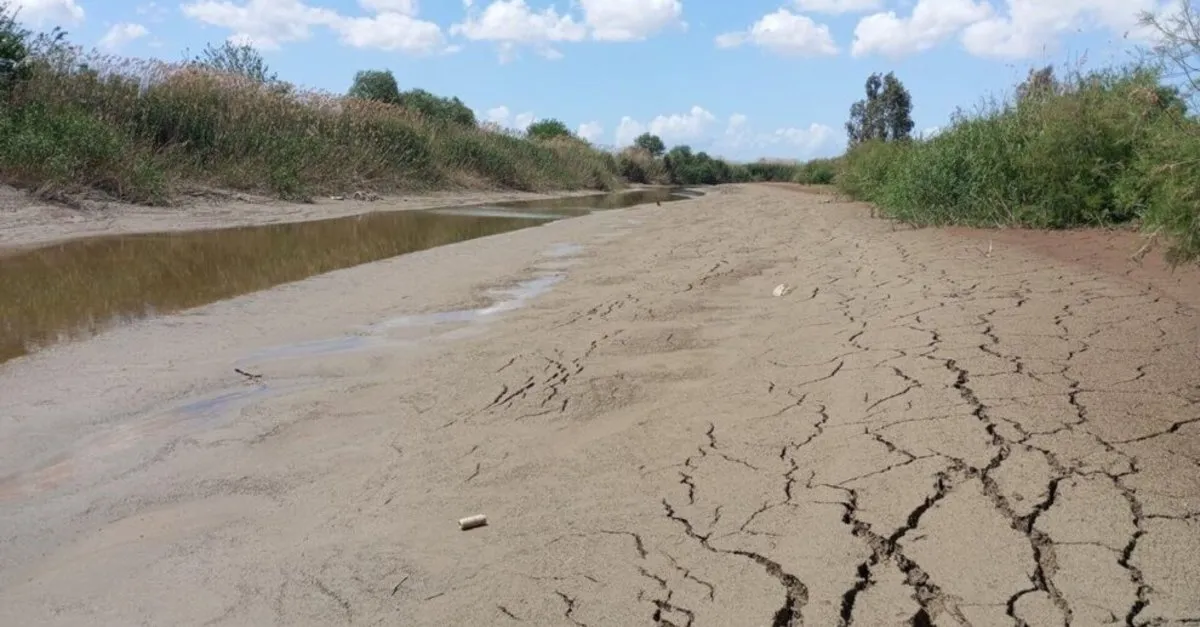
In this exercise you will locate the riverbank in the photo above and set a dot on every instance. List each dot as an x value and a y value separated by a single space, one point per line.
26 221
922 429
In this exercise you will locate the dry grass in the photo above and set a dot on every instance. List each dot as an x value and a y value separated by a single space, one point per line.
142 130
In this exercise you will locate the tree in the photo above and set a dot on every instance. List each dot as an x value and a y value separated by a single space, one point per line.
1177 47
652 144
436 107
240 59
14 47
377 85
885 114
548 129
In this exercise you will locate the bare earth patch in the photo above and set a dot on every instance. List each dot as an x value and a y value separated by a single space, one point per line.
921 432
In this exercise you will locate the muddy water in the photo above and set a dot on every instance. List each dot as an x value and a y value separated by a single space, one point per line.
71 290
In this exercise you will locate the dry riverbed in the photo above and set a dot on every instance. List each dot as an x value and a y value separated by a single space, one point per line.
926 430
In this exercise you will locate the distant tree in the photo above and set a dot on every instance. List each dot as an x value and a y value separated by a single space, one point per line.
548 129
377 85
885 114
652 144
14 44
241 59
437 107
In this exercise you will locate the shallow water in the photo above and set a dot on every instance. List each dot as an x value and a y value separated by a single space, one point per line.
76 288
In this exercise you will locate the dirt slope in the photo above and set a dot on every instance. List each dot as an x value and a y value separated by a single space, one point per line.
918 433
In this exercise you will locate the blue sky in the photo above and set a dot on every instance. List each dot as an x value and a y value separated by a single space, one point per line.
742 79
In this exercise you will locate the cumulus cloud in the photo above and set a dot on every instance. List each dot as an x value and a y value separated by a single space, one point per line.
630 20
403 7
269 24
502 117
591 131
673 128
512 24
120 35
791 142
1009 29
807 141
931 22
835 7
783 32
1030 26
392 32
41 12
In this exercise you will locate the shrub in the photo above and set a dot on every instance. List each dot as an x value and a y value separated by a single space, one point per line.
1097 149
548 129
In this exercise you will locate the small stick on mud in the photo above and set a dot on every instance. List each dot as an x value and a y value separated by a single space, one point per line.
398 584
248 375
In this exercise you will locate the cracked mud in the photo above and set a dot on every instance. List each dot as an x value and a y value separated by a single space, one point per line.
917 434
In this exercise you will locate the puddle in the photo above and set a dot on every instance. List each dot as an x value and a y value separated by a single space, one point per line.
71 290
114 449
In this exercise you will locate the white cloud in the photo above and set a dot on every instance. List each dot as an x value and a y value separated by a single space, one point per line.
502 117
120 35
270 23
266 23
630 20
1031 26
784 32
807 142
674 128
511 23
591 131
41 12
792 142
835 7
403 7
931 22
392 32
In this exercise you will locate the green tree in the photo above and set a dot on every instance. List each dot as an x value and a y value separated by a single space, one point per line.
652 144
437 107
548 129
241 59
885 114
13 38
1176 50
377 85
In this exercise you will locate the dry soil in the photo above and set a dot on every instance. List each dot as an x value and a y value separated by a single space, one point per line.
920 432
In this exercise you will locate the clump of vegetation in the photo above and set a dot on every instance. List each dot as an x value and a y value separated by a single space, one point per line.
142 130
1093 148
637 165
648 161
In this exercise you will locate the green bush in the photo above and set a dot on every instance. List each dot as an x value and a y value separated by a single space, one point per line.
1102 148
